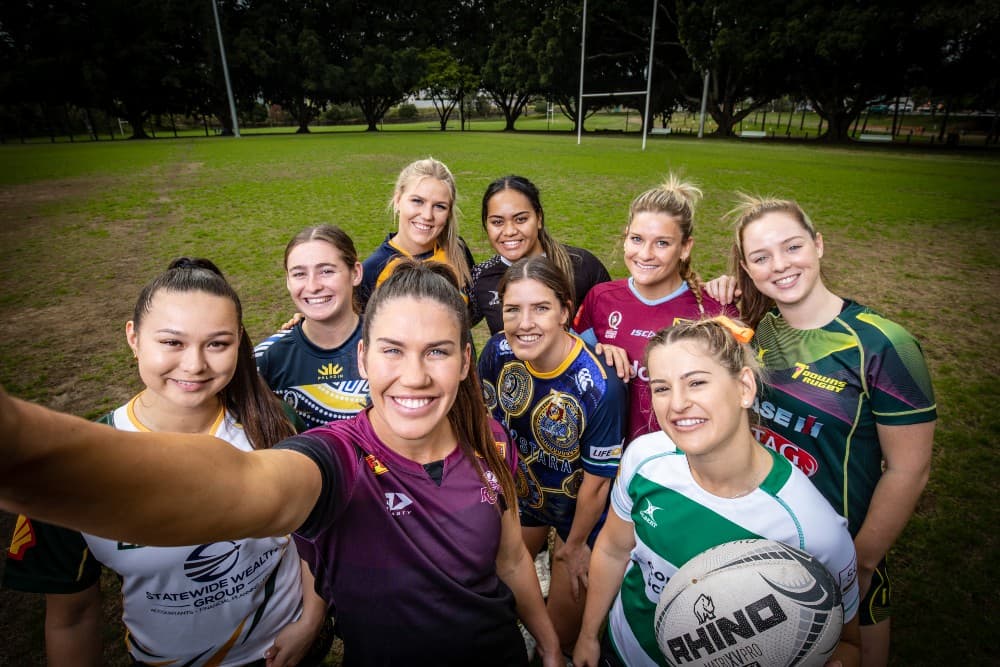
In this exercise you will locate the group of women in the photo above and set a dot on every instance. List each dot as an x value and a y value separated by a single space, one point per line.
413 506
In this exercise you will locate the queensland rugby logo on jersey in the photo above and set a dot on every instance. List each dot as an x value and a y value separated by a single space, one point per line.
802 459
211 561
489 495
614 321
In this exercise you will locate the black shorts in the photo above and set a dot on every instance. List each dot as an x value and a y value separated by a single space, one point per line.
877 605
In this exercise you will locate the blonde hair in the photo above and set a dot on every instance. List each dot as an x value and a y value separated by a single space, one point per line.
430 168
720 342
750 208
677 198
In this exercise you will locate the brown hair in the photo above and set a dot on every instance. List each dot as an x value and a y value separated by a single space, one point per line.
545 271
336 237
753 304
676 198
550 247
246 396
434 281
449 241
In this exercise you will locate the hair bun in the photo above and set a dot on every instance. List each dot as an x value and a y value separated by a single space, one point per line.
192 263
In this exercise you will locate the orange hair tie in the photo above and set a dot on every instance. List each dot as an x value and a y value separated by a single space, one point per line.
741 333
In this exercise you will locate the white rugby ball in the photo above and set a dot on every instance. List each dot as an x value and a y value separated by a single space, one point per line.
749 602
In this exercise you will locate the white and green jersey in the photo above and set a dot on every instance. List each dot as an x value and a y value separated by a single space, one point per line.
675 520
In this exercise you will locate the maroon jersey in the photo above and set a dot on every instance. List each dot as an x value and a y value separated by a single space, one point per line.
405 557
613 313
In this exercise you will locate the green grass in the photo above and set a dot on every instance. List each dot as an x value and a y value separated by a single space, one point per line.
911 233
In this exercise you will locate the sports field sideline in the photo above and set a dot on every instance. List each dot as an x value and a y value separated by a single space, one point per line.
913 234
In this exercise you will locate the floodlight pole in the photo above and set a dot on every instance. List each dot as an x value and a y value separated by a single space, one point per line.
225 71
704 105
583 52
649 78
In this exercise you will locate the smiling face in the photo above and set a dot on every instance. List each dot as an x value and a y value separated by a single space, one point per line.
782 258
512 225
414 362
654 250
424 208
534 321
697 401
320 282
187 347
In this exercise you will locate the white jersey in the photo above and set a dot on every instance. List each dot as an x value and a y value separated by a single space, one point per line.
220 603
675 520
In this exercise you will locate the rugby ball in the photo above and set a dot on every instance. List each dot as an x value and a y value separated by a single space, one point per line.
749 602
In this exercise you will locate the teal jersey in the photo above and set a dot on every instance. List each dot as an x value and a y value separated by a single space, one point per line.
675 519
828 389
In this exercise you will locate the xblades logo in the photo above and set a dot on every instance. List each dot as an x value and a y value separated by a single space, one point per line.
397 502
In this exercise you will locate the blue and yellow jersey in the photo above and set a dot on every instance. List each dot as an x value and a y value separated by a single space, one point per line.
564 423
320 385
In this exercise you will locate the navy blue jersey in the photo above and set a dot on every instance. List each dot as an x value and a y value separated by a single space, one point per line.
320 385
564 423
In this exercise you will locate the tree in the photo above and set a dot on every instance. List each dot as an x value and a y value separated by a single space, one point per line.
843 55
732 41
293 49
446 81
510 74
380 77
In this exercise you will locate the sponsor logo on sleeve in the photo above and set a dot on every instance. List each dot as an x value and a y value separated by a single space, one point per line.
23 539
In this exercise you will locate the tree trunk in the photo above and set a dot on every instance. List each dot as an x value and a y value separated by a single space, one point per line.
137 120
838 128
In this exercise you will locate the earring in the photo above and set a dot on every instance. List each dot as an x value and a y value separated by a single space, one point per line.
746 404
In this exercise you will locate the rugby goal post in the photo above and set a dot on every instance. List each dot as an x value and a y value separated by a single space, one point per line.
644 93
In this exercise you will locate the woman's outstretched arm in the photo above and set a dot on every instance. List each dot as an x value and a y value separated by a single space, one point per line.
147 488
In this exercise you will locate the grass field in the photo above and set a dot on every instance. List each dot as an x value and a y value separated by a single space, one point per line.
913 234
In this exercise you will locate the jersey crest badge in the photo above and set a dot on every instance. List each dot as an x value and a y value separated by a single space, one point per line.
23 539
515 389
375 465
557 423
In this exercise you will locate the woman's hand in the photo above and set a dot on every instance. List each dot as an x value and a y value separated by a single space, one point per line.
617 357
295 319
587 652
577 560
291 644
723 289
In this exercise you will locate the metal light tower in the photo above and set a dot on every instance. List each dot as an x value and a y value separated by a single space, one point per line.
225 71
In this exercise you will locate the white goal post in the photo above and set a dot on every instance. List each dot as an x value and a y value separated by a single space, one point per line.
645 93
